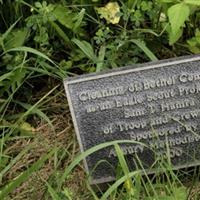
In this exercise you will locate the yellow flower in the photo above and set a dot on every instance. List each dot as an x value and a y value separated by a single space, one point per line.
110 12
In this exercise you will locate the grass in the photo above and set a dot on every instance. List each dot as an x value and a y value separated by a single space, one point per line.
38 143
43 42
64 168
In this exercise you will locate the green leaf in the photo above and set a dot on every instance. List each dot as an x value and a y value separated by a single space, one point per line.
86 48
16 39
178 14
79 19
64 16
194 43
193 2
173 37
38 5
13 81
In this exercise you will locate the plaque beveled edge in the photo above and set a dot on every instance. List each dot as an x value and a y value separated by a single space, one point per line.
94 76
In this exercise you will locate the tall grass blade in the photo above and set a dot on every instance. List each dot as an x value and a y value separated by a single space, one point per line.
66 193
121 158
52 192
61 33
90 151
25 175
117 184
37 112
5 76
92 191
144 48
35 105
13 161
86 48
31 50
101 57
124 166
79 18
9 30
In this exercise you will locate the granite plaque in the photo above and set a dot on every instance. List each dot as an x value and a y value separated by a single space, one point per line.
156 104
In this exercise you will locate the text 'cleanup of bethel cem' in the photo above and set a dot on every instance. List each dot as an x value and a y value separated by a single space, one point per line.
157 104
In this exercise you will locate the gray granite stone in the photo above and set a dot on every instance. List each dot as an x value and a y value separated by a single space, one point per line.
155 105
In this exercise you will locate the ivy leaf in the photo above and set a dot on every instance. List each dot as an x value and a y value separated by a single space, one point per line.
178 14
